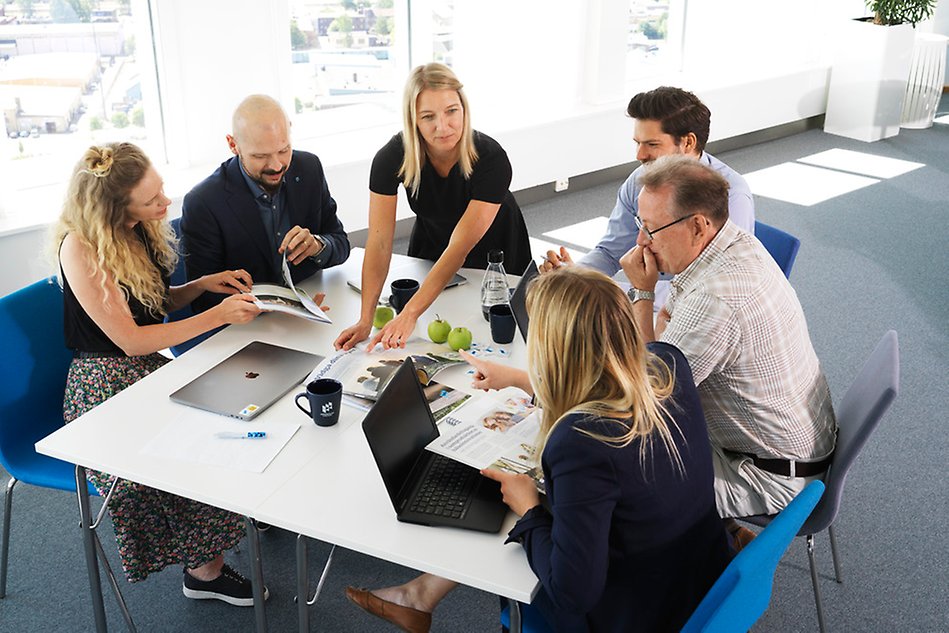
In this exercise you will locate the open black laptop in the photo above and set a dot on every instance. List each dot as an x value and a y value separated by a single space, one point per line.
426 488
519 298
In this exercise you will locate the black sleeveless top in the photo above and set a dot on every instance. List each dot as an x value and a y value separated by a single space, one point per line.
81 332
441 202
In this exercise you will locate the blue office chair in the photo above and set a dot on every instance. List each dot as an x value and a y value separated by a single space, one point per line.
782 246
179 277
858 415
741 594
33 369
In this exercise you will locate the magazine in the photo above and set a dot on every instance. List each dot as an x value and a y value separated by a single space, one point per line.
485 432
364 375
287 299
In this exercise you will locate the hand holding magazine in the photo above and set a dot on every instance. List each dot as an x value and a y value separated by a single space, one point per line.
287 299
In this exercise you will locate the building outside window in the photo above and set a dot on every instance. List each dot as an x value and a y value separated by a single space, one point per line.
69 77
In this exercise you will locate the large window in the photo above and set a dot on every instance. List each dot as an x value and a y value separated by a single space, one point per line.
69 77
345 69
653 42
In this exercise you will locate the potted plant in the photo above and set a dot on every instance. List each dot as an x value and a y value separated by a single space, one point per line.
870 69
894 12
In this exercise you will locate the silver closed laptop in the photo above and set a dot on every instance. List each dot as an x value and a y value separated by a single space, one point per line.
248 381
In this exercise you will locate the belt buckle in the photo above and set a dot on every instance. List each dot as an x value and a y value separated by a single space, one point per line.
791 464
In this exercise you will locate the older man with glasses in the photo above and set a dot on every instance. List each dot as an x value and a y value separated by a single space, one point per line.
740 325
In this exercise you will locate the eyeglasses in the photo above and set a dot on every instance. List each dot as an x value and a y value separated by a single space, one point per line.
651 234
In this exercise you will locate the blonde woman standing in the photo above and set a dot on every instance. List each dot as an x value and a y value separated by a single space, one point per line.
115 253
628 538
457 182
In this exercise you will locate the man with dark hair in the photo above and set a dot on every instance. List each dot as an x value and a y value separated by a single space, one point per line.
739 323
266 202
667 121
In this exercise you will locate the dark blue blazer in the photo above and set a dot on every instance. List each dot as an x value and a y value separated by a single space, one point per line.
222 230
626 545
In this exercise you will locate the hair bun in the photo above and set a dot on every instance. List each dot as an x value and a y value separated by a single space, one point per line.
100 161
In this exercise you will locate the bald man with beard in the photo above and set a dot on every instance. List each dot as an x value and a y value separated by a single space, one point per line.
265 202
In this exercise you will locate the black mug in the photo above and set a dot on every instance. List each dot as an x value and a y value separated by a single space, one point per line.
325 396
402 291
501 318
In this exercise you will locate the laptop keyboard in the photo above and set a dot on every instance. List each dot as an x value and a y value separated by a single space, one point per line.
446 489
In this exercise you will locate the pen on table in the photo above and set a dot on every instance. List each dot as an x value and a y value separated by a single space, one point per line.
234 435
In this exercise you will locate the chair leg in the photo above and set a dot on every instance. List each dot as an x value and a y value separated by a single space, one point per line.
5 546
820 606
838 570
115 586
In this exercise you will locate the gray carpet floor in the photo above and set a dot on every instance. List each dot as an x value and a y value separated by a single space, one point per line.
871 260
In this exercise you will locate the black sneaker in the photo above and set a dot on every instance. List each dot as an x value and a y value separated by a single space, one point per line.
230 586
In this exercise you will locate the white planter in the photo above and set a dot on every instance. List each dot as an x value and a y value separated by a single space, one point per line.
868 80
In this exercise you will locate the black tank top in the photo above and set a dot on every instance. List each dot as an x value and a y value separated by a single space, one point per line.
81 332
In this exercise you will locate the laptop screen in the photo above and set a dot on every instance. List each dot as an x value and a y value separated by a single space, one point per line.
519 298
398 428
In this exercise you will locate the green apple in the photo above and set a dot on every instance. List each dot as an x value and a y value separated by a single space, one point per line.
438 330
383 315
459 338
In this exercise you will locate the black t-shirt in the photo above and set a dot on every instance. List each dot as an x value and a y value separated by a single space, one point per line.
82 333
441 202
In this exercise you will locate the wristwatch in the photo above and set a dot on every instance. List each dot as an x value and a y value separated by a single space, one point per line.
635 294
321 242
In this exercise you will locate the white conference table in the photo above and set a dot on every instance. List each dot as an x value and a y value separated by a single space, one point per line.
324 483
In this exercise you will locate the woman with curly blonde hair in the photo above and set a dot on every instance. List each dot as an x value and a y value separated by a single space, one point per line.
628 537
115 254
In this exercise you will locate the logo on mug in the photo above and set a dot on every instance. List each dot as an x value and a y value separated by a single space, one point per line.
327 408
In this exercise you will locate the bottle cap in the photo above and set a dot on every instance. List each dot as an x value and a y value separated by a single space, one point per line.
496 257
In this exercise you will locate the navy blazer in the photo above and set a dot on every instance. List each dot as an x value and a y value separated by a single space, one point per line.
627 545
222 230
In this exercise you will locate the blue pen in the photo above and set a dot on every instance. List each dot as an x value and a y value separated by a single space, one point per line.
250 435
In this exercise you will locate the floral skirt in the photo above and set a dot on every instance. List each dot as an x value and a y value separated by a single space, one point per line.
153 529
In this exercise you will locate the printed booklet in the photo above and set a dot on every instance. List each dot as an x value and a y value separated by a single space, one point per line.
477 429
364 375
287 299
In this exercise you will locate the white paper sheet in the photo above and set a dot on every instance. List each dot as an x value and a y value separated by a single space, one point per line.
191 437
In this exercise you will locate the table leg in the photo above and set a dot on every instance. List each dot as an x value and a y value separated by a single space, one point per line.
257 577
515 613
89 547
304 601
303 588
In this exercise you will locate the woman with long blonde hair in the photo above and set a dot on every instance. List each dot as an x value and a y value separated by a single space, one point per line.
115 254
457 182
628 538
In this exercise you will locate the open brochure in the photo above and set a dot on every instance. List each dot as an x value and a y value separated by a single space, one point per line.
287 299
364 375
486 432
477 429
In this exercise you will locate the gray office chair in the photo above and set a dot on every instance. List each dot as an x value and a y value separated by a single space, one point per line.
858 414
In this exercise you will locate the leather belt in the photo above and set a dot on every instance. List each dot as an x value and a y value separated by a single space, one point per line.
791 468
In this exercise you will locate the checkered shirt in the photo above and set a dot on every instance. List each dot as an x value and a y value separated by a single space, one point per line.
739 323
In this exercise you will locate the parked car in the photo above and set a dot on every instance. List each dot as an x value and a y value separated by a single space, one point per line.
35 132
14 134
24 133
